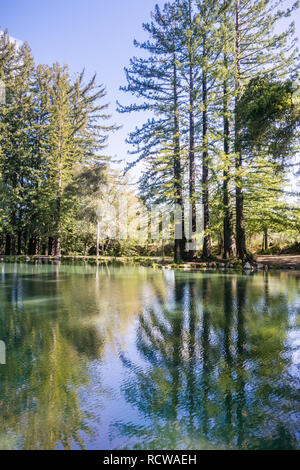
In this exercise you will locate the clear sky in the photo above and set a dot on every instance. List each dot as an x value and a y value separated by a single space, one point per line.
93 34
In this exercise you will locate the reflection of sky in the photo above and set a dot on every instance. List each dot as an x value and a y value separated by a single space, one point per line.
293 335
115 377
293 341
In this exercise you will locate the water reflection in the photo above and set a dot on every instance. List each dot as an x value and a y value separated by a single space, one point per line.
55 320
135 358
216 369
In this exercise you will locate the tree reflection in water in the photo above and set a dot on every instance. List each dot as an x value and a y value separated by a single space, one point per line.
217 372
56 322
206 359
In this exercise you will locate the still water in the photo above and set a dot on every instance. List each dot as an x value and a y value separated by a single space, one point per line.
116 358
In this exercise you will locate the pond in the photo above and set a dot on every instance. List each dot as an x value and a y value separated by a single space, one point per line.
135 358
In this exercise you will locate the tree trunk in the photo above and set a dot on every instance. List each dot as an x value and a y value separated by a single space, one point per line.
205 180
265 244
51 246
33 246
98 239
37 244
57 251
179 245
86 250
7 244
192 168
220 244
30 246
227 222
13 245
25 237
240 218
19 242
57 247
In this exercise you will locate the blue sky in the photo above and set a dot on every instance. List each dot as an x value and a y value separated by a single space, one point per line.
94 34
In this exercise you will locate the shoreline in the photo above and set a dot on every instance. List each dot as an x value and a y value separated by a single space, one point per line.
262 262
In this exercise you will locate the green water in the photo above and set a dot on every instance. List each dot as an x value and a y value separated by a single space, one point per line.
115 358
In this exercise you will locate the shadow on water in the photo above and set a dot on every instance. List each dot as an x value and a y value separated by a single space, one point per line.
133 358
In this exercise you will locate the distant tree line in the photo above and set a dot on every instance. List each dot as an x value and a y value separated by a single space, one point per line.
52 136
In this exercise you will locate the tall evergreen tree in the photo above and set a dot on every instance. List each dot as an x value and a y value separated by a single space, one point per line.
49 125
228 241
257 48
74 134
15 140
156 80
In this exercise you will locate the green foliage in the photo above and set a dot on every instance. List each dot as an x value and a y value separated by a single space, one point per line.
51 127
269 116
270 128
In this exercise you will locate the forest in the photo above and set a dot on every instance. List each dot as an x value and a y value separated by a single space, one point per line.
218 84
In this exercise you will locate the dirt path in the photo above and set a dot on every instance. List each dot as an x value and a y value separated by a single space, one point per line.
280 261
